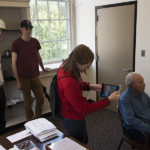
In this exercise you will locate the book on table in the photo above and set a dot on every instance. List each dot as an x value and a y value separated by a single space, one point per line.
42 129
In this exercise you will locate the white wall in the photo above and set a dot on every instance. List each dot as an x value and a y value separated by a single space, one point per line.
143 41
85 34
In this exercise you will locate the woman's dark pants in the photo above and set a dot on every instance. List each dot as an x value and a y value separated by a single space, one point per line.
76 129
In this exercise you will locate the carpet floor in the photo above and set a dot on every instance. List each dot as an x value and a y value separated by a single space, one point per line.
104 130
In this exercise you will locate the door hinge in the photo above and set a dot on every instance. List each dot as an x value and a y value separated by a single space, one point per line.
96 57
97 17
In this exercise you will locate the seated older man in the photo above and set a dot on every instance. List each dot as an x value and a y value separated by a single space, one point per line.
134 106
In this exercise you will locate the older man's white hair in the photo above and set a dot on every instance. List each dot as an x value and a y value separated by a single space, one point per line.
129 78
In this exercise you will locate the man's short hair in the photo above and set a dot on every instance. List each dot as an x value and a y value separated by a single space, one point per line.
129 78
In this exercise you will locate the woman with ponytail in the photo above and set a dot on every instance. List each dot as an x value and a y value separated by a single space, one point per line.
74 106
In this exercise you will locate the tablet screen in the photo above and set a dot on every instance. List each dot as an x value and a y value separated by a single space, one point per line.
108 89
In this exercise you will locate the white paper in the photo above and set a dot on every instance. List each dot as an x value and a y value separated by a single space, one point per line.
16 148
47 138
18 136
50 133
67 144
51 136
2 148
12 149
15 100
39 126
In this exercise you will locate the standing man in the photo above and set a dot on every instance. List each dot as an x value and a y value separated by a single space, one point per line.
2 92
25 60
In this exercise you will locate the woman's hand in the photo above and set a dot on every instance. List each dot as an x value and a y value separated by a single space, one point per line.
114 97
95 87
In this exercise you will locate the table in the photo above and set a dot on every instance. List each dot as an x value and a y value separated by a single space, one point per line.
41 145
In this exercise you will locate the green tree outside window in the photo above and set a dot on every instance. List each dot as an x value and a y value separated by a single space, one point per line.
51 27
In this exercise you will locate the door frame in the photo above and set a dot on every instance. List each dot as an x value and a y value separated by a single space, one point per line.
96 42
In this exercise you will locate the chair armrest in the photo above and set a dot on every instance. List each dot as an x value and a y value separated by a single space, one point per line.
146 135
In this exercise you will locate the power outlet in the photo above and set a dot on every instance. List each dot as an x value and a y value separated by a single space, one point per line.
143 53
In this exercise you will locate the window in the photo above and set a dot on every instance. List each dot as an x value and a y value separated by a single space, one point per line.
50 19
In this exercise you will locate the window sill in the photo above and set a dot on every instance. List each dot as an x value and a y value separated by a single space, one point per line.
52 72
43 74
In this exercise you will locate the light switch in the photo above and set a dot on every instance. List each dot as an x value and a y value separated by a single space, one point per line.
143 53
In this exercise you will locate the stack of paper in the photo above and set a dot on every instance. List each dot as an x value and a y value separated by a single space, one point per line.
18 136
42 129
65 144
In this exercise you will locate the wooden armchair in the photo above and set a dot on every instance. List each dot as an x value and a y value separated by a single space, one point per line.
133 143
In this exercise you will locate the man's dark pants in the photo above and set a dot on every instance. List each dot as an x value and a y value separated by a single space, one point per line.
135 135
2 110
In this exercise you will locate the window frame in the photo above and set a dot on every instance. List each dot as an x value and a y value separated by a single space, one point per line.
68 27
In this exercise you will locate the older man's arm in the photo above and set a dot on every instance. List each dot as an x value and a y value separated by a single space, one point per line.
130 119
